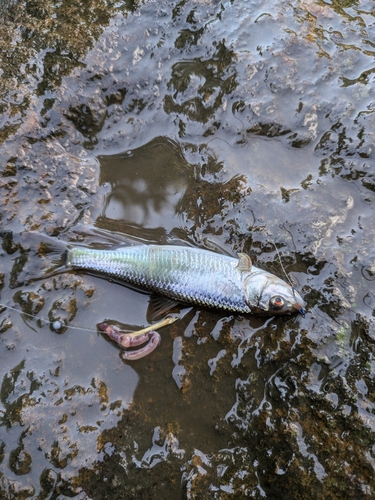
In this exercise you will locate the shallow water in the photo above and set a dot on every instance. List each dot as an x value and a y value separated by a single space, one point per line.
231 124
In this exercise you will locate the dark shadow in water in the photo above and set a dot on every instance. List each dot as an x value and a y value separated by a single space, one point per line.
147 184
155 194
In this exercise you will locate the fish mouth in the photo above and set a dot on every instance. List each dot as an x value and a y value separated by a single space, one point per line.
300 308
300 305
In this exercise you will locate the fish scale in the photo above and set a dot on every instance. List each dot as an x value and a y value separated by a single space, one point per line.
181 273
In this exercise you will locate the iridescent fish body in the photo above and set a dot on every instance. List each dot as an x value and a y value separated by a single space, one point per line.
193 276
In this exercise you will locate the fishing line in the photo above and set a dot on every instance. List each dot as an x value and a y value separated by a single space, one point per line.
279 256
282 267
281 226
57 325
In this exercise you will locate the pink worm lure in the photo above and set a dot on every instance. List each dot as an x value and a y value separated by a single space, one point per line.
134 339
126 340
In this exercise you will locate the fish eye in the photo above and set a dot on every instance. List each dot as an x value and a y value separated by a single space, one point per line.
277 302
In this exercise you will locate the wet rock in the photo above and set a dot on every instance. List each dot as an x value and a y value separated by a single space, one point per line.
15 489
31 303
264 122
5 324
61 313
20 461
48 481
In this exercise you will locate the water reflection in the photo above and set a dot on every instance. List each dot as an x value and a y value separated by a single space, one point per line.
147 184
247 125
155 189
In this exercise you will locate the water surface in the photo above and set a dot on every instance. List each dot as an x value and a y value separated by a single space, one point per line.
235 125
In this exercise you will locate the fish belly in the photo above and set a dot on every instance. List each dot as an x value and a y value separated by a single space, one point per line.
185 274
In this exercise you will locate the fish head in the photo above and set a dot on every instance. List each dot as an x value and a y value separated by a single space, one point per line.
270 295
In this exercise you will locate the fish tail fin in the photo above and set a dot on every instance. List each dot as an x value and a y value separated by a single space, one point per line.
39 256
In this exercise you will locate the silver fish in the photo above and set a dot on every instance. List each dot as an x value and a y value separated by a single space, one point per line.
193 276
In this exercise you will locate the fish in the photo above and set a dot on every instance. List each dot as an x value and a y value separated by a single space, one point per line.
175 274
192 276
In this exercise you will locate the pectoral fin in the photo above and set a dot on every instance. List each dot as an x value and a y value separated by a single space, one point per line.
244 262
159 306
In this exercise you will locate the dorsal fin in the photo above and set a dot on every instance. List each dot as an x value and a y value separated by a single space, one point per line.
244 262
